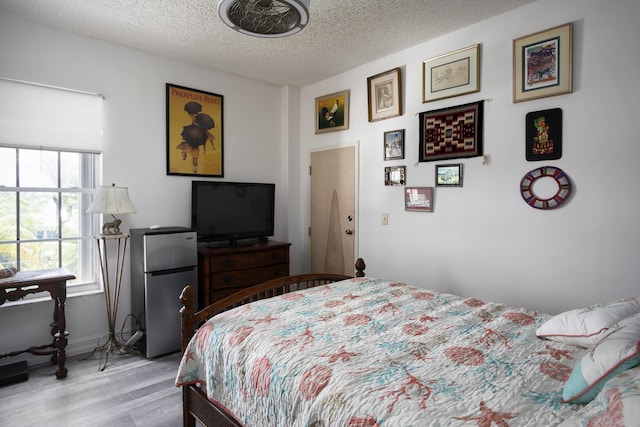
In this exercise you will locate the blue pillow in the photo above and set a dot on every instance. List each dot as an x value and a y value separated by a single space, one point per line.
616 353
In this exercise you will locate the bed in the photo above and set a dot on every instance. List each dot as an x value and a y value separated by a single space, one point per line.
324 350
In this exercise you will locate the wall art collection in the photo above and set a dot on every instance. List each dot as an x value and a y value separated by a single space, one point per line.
542 67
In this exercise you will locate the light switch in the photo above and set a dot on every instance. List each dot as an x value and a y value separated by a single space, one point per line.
385 219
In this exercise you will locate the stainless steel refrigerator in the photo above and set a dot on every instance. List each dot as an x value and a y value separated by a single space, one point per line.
163 261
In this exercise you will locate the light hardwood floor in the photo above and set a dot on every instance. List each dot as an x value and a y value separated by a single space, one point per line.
131 391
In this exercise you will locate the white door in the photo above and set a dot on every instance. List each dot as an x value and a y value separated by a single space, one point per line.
333 210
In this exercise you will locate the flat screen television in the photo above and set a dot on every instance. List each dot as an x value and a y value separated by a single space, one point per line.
230 213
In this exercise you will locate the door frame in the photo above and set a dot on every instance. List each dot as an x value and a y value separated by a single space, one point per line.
356 193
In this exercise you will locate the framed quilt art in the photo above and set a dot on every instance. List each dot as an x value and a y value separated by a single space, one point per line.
451 133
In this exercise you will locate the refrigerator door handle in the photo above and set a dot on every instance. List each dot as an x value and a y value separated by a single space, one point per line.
173 270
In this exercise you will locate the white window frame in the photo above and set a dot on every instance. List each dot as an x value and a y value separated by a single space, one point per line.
87 273
50 118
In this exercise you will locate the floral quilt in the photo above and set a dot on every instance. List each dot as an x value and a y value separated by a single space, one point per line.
373 352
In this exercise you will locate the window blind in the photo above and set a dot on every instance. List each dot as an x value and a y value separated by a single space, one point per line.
35 115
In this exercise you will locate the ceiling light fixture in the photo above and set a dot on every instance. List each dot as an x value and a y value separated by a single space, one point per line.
265 18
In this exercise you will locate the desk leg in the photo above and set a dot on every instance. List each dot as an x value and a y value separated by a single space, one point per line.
59 335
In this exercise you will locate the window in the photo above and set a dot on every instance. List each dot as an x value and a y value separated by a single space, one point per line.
50 145
44 195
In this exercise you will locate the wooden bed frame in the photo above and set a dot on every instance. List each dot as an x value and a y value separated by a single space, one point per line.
195 405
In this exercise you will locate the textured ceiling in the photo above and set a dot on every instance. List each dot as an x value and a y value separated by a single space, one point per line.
341 34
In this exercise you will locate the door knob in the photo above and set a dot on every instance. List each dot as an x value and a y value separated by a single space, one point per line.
349 231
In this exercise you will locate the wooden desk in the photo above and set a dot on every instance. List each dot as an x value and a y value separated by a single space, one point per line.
31 282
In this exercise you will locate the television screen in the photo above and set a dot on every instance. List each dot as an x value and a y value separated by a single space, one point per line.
232 211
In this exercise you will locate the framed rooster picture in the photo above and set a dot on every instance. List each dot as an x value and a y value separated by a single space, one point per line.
332 112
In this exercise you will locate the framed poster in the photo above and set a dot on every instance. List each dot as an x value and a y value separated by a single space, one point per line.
394 145
453 74
385 95
418 199
332 112
451 133
544 135
194 132
543 64
449 175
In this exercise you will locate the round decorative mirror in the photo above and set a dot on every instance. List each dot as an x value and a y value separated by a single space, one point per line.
545 188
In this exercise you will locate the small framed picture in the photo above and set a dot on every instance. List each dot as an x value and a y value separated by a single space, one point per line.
394 144
385 95
544 135
419 199
452 74
542 64
449 175
395 175
332 112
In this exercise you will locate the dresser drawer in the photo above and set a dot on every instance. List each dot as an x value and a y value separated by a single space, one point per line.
225 270
249 260
244 278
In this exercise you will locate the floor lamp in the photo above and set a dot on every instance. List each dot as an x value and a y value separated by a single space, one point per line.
111 200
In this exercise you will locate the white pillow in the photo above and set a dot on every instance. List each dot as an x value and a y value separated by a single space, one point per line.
585 327
616 353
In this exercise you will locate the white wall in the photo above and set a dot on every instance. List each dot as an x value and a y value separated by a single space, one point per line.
133 84
482 239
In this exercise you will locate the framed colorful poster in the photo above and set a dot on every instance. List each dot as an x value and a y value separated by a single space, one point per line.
194 132
332 112
542 64
544 135
451 133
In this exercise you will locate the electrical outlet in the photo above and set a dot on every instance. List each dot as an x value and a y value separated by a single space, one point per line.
385 219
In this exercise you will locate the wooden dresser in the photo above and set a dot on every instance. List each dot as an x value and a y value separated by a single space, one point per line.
223 271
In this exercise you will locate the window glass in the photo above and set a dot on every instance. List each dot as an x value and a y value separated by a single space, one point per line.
69 215
8 217
38 215
44 222
38 168
8 169
39 256
70 168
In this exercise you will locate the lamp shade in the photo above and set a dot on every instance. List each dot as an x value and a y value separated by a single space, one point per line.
111 200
